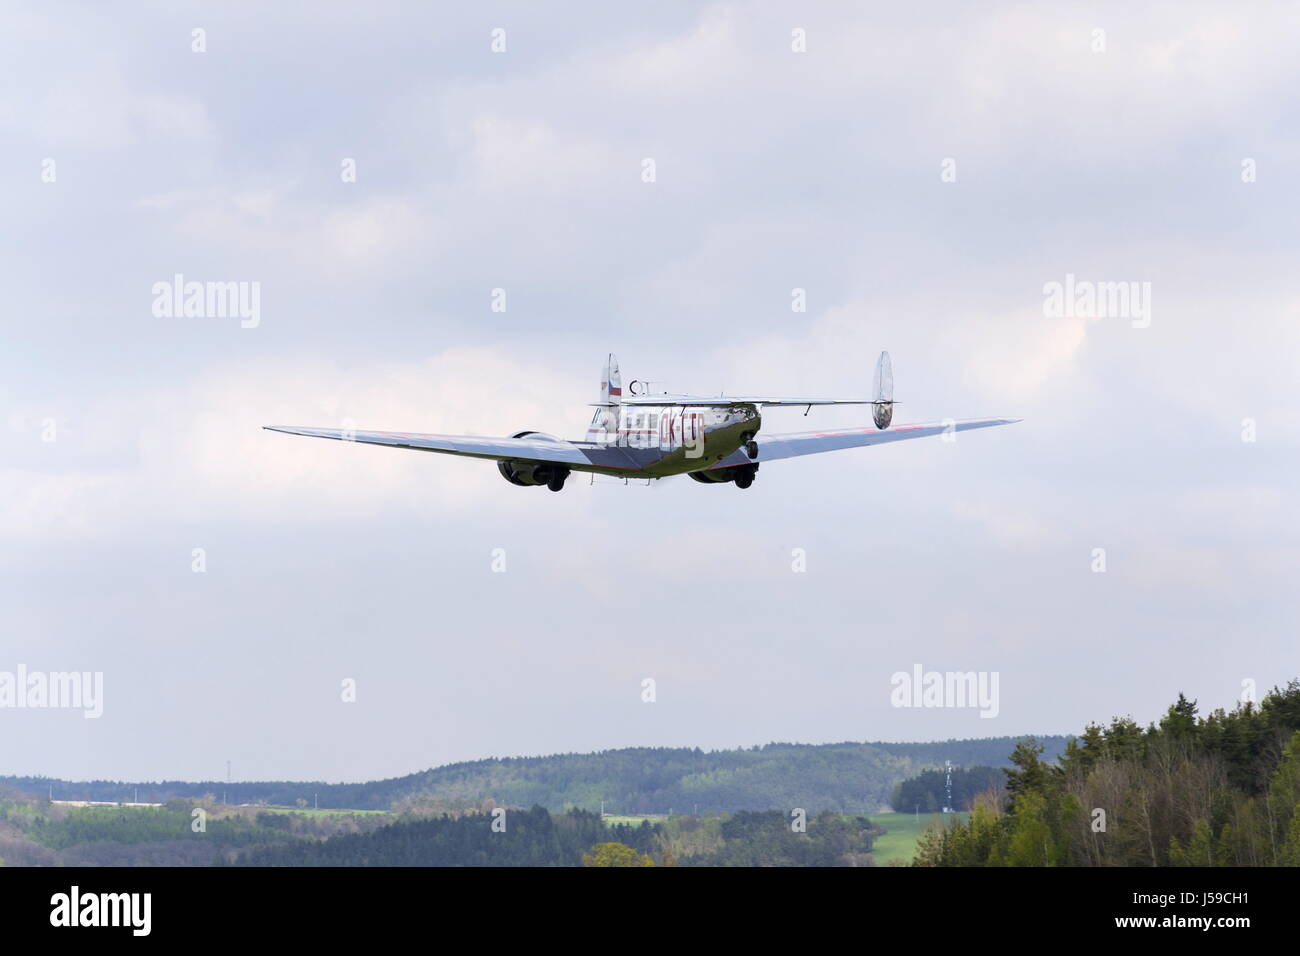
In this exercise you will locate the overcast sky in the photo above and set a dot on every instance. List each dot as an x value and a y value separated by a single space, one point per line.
922 172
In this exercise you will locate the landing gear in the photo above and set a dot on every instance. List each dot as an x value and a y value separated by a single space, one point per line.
745 476
556 481
751 449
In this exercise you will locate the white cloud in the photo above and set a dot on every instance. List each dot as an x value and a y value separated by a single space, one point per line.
529 156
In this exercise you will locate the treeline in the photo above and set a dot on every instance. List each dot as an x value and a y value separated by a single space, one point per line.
35 833
849 778
1219 790
770 838
521 838
537 837
928 793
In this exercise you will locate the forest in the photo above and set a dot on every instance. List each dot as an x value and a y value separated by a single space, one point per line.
846 777
929 793
32 833
1189 790
1221 789
537 837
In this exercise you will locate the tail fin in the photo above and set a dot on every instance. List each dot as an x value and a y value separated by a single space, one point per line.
604 425
882 392
611 383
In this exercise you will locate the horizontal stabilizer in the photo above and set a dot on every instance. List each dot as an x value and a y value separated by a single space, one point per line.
729 400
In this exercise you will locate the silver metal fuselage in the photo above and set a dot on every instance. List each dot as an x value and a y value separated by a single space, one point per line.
668 440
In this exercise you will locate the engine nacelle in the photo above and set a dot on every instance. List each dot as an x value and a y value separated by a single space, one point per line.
526 473
717 476
712 477
522 473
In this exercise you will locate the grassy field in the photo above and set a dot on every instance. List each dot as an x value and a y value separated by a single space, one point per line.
614 819
898 845
904 830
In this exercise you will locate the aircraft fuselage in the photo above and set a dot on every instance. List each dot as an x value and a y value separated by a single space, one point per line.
672 439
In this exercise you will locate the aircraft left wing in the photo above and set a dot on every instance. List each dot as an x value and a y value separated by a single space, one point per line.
797 444
580 456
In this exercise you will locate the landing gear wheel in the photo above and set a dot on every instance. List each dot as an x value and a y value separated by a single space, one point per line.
751 449
556 481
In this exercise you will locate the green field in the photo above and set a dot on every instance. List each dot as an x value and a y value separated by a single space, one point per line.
614 819
903 831
898 845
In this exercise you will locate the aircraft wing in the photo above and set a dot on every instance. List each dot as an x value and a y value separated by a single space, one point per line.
796 444
579 455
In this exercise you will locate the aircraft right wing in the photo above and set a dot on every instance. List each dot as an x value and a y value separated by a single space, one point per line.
797 444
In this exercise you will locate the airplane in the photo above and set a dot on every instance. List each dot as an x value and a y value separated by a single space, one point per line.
714 440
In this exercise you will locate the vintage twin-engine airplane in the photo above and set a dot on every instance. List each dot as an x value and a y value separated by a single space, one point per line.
640 435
